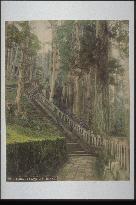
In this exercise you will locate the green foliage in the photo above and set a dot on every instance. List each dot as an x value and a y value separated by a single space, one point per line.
35 157
67 49
13 35
11 95
101 161
26 127
118 30
20 134
114 66
63 40
19 34
39 72
100 164
113 63
34 45
88 44
20 37
87 22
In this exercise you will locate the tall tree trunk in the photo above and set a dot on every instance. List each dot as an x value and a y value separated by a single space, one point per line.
10 63
20 85
20 91
7 63
76 107
77 37
102 69
55 63
53 76
31 69
15 61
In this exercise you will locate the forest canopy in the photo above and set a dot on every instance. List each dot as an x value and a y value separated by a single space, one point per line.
87 62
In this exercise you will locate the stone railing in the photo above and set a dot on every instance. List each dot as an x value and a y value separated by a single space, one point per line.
116 148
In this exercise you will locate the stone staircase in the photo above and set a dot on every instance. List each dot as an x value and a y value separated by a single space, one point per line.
74 149
84 142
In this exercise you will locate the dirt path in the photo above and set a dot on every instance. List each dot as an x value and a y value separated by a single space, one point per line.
78 168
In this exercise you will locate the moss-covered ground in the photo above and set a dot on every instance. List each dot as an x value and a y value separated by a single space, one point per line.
19 134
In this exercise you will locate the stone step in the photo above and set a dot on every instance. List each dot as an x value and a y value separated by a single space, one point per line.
72 143
70 140
86 154
78 152
73 147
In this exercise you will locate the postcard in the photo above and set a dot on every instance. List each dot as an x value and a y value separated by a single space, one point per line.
67 102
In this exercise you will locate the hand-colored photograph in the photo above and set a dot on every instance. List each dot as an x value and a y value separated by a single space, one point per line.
67 99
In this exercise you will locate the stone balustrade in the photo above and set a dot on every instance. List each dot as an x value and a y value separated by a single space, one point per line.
116 148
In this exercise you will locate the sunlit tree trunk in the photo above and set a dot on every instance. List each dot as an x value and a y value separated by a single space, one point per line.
9 65
102 77
55 63
76 106
20 86
22 77
31 65
14 61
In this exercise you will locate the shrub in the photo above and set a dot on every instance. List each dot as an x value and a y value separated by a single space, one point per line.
32 152
35 158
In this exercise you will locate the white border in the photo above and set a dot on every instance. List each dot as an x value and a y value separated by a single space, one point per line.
38 10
